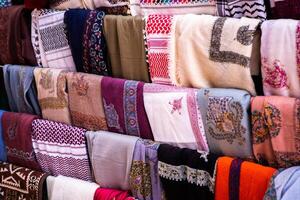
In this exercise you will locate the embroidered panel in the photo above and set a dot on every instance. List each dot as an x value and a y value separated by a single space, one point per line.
274 74
89 122
140 178
112 117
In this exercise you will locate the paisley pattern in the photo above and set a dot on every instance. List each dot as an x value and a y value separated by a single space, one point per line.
140 178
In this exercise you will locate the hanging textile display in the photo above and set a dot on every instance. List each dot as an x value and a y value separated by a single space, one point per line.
108 194
16 47
280 57
85 101
226 121
276 130
285 9
61 149
106 159
237 179
126 47
20 89
179 122
17 131
52 96
186 174
223 50
19 182
3 156
49 40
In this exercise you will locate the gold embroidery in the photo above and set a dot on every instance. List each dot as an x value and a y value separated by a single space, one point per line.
89 122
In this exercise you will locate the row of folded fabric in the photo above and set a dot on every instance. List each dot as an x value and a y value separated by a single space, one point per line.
215 120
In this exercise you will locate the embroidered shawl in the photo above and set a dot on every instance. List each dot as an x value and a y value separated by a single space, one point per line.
17 131
3 96
126 47
172 7
124 107
5 3
108 194
226 121
50 41
111 153
32 4
186 174
276 130
174 116
86 106
216 55
237 179
61 149
19 182
280 47
3 156
53 99
242 8
144 179
67 188
20 89
16 47
285 9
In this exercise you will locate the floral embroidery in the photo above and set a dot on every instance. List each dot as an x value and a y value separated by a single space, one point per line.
46 80
81 86
272 119
274 75
259 128
297 116
89 122
12 132
112 117
287 159
177 105
245 36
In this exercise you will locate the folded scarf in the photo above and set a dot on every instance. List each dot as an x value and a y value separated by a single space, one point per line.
111 153
280 47
237 179
3 96
51 86
144 179
276 129
50 41
174 116
5 3
87 42
31 4
66 188
85 101
17 131
126 47
20 89
16 47
109 194
216 54
124 107
186 174
226 121
285 9
3 156
61 149
172 7
19 182
242 8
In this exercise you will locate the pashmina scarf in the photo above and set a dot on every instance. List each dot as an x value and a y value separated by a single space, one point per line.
3 96
21 183
16 47
285 9
109 194
85 101
226 121
20 89
174 116
124 107
61 149
50 41
186 174
32 4
53 99
3 156
126 47
280 57
111 157
144 179
66 188
242 8
237 179
5 3
17 131
215 54
276 130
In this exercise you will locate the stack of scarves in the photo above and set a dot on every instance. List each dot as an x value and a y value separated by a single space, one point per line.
280 58
237 179
87 42
50 41
21 183
179 122
16 47
85 101
124 107
126 47
186 174
20 89
53 100
61 149
276 130
17 135
3 156
285 9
